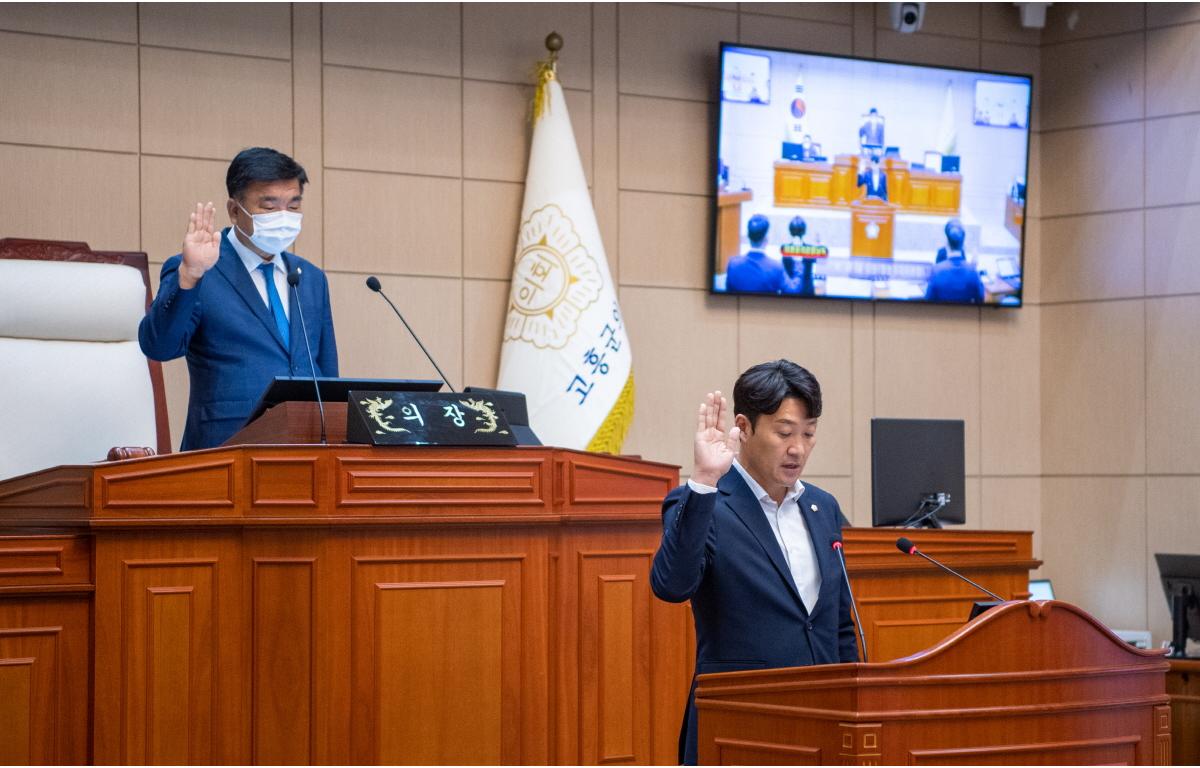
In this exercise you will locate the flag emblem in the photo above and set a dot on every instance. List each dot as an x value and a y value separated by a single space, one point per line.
555 279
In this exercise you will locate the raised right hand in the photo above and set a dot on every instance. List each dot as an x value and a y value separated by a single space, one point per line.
201 246
715 448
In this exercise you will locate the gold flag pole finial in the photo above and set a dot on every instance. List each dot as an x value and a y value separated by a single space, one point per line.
547 70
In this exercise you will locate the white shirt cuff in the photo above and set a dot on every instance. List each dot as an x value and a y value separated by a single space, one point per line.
700 487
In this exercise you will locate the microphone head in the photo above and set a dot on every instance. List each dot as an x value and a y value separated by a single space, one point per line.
835 542
294 277
373 283
905 546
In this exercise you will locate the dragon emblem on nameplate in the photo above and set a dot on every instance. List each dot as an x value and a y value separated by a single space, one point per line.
377 412
555 280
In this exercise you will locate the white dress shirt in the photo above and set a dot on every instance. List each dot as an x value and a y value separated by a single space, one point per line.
791 532
251 260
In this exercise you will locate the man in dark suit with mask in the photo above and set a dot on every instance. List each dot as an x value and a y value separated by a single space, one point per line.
749 544
226 303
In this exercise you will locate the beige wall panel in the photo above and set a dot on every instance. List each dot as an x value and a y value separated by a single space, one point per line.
1002 22
927 366
834 13
1082 518
675 364
862 382
504 41
864 29
1173 526
796 33
384 121
491 221
1089 82
253 29
1092 257
421 38
1173 160
923 48
1031 290
1096 169
1173 70
496 130
484 305
1013 504
816 335
373 342
67 194
1022 59
97 21
72 93
1093 388
171 187
973 490
666 145
175 381
667 50
398 225
1162 14
666 240
954 19
1172 250
1172 373
1074 21
306 126
195 104
605 175
1010 409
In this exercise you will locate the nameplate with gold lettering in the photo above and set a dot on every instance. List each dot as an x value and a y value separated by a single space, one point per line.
425 418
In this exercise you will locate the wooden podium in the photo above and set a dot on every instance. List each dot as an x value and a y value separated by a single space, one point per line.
1027 683
339 604
872 228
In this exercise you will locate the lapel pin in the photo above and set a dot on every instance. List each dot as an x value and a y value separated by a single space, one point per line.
813 507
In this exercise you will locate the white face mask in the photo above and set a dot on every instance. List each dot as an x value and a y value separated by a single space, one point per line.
273 232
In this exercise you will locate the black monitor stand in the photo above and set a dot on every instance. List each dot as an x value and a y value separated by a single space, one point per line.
1180 575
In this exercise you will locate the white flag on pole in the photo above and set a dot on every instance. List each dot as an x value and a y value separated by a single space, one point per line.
564 344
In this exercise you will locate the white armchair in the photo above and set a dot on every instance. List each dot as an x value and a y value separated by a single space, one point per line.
73 381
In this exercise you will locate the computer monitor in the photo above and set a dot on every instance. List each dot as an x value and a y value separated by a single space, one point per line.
284 389
1041 589
1180 575
918 472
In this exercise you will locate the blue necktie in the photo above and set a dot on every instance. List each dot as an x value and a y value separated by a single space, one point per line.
281 321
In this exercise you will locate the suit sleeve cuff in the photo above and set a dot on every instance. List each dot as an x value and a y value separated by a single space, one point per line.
700 487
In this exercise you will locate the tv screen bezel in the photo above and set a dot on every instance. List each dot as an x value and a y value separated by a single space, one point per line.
714 210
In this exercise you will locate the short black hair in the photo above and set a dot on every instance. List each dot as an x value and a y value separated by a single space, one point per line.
797 226
261 164
757 228
763 388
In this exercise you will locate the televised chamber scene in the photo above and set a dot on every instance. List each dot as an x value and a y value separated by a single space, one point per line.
854 179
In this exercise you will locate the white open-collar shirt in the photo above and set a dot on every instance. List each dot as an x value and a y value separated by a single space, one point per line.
791 532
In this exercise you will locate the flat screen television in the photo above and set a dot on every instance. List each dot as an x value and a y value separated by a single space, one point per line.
847 178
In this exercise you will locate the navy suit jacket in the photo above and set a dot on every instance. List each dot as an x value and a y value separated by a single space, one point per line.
755 271
955 279
874 190
718 550
232 345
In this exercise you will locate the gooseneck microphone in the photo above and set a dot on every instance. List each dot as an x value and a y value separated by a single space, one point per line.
836 543
908 548
373 284
293 279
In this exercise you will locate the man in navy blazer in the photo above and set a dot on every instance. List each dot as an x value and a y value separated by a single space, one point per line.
225 302
749 544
